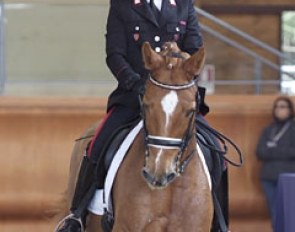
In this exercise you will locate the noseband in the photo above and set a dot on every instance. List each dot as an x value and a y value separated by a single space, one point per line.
170 142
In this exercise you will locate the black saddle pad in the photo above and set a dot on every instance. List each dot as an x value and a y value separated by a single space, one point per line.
115 140
214 160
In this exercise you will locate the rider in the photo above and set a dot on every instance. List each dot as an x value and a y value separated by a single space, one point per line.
130 23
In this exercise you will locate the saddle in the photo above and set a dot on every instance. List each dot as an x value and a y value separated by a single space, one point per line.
114 142
110 149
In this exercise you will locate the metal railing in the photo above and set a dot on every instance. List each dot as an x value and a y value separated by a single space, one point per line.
2 47
259 60
243 34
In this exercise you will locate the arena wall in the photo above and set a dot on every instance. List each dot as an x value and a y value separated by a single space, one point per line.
37 136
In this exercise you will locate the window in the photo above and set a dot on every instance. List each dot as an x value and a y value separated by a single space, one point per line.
288 47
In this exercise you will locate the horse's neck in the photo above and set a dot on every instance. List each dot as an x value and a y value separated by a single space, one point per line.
177 201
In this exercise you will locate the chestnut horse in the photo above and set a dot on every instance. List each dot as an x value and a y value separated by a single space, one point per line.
163 183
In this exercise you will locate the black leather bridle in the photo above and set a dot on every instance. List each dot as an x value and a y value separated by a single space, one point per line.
170 142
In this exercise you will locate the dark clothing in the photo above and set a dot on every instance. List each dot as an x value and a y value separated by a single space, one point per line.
132 22
270 189
116 117
279 158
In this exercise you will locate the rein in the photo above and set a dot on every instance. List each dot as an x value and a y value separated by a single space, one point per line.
175 55
223 139
170 142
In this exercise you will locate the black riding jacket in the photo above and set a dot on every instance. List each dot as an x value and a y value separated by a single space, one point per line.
132 22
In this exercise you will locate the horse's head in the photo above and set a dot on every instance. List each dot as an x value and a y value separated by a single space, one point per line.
168 109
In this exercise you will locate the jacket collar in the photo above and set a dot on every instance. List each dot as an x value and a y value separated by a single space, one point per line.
168 11
142 8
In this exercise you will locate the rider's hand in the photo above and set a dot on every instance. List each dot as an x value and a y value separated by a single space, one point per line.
139 86
134 83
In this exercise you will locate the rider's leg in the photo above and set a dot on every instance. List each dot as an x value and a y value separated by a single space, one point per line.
87 179
203 108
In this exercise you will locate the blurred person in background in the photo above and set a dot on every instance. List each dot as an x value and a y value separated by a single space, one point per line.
276 149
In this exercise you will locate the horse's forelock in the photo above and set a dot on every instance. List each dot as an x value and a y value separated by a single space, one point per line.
173 59
170 60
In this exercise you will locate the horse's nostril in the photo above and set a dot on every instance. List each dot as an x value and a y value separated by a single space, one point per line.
171 177
147 176
161 182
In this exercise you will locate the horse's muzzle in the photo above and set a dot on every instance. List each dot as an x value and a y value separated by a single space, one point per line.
160 182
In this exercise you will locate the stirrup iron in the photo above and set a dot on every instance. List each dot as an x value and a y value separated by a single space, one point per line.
72 217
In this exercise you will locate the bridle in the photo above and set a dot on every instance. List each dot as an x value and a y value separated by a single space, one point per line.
170 142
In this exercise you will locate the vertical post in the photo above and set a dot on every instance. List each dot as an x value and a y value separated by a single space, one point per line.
258 76
281 63
2 48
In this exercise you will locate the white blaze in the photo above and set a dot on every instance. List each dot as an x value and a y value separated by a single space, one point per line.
169 103
158 160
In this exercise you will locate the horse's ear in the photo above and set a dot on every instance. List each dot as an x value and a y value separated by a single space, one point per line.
195 63
151 59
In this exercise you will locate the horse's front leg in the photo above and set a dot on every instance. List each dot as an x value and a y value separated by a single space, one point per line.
93 223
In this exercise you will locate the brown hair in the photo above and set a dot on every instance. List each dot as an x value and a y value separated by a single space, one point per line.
289 103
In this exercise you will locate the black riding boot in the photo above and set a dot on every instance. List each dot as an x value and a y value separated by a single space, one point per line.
203 108
85 188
